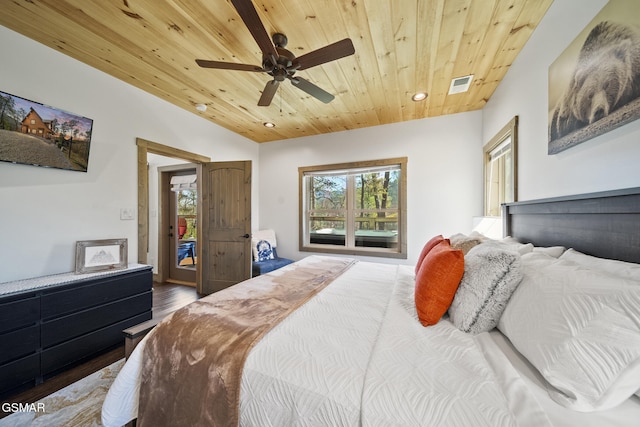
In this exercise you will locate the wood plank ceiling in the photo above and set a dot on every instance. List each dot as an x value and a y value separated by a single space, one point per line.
402 47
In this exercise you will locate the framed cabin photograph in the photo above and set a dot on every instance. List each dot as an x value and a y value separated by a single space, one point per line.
35 134
100 255
594 85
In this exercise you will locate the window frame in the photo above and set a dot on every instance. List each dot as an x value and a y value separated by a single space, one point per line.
510 130
304 244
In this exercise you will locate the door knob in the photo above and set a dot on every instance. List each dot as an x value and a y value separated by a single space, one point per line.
246 235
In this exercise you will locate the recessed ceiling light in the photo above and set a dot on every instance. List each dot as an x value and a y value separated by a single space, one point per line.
419 96
201 107
269 125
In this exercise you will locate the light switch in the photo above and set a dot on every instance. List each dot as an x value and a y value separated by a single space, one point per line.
126 213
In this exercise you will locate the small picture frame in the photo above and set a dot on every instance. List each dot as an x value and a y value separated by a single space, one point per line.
101 255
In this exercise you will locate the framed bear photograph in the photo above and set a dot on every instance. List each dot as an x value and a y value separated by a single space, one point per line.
594 85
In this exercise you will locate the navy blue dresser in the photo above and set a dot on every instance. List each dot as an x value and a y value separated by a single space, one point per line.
50 324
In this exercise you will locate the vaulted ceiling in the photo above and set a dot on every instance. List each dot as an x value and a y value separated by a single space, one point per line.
401 47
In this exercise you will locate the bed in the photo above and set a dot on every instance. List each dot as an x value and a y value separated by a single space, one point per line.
355 352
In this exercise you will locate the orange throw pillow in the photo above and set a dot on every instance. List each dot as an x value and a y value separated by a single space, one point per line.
427 248
437 282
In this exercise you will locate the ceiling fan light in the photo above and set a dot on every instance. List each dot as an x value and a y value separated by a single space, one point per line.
269 125
419 96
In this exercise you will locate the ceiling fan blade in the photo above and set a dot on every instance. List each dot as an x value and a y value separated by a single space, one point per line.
325 54
204 63
250 17
268 93
312 89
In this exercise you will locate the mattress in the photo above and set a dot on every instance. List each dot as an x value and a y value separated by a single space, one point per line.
356 354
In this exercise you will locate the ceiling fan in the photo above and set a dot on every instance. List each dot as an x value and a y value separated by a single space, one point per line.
278 61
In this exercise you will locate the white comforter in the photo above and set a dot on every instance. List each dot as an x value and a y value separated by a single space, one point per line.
357 355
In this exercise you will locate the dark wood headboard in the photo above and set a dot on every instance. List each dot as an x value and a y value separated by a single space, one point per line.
604 224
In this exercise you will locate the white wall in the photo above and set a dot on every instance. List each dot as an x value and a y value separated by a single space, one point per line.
607 162
444 177
43 212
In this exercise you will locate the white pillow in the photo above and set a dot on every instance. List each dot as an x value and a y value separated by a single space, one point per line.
514 244
580 328
491 274
262 250
263 243
619 268
554 251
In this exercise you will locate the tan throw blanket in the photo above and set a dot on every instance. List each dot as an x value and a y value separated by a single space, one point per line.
193 360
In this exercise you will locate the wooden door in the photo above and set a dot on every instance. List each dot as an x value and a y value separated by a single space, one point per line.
226 225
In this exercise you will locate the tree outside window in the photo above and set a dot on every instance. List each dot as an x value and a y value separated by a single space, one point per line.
355 208
187 214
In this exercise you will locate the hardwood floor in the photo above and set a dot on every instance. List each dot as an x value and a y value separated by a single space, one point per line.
166 299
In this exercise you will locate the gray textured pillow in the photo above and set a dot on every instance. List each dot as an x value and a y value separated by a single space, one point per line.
466 243
491 274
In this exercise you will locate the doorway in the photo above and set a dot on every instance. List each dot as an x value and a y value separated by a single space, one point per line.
225 193
178 228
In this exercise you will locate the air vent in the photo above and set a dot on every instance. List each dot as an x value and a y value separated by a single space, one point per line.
460 84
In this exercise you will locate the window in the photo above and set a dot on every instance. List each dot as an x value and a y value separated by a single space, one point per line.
183 216
187 202
500 169
354 208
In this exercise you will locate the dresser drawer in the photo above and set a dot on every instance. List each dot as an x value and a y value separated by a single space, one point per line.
82 322
19 343
18 313
82 296
66 353
19 372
